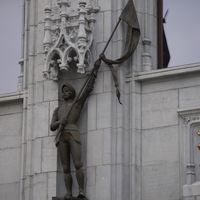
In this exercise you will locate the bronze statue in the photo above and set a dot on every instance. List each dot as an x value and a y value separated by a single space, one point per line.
68 137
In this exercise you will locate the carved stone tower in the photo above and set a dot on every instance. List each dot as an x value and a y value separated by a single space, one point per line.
62 39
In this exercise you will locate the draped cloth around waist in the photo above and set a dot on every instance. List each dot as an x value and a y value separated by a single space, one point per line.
72 130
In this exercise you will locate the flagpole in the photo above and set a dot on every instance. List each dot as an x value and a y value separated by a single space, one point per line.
111 36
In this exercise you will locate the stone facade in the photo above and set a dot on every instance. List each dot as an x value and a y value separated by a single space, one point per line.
143 149
170 119
11 121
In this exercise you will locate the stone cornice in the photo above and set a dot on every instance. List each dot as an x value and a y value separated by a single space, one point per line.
189 111
168 72
11 97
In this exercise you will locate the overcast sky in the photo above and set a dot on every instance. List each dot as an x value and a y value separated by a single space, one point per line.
10 44
182 32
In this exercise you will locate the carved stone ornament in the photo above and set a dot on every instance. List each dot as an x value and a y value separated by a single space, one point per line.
198 132
189 119
68 35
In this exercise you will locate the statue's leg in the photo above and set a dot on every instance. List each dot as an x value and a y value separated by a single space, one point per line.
76 157
64 151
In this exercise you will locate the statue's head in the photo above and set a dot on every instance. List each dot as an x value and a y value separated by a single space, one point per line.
68 92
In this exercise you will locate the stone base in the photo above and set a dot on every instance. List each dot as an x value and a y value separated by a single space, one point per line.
72 198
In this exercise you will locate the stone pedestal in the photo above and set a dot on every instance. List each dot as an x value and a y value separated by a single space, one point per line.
72 198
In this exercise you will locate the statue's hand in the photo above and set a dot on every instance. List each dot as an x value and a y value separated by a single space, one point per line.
102 56
97 62
63 121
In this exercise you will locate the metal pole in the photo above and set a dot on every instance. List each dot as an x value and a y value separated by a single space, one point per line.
111 36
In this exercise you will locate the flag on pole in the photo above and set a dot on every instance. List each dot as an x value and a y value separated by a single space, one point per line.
129 16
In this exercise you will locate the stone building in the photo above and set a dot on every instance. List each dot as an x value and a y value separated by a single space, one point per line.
145 149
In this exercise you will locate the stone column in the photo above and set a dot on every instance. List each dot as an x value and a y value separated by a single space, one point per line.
113 140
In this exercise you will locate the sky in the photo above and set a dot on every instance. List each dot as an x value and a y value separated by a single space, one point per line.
10 44
182 31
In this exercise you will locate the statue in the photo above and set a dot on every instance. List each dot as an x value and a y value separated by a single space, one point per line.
65 116
68 137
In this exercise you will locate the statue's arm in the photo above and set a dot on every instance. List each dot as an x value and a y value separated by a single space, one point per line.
91 82
54 122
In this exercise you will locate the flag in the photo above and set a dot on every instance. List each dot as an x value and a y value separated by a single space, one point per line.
129 16
166 53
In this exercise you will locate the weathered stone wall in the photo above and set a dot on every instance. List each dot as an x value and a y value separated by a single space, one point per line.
10 146
105 126
170 103
110 132
135 151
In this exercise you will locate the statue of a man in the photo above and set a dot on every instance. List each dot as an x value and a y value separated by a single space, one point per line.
68 138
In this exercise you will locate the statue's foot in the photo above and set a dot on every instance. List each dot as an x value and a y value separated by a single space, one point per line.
81 194
68 196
